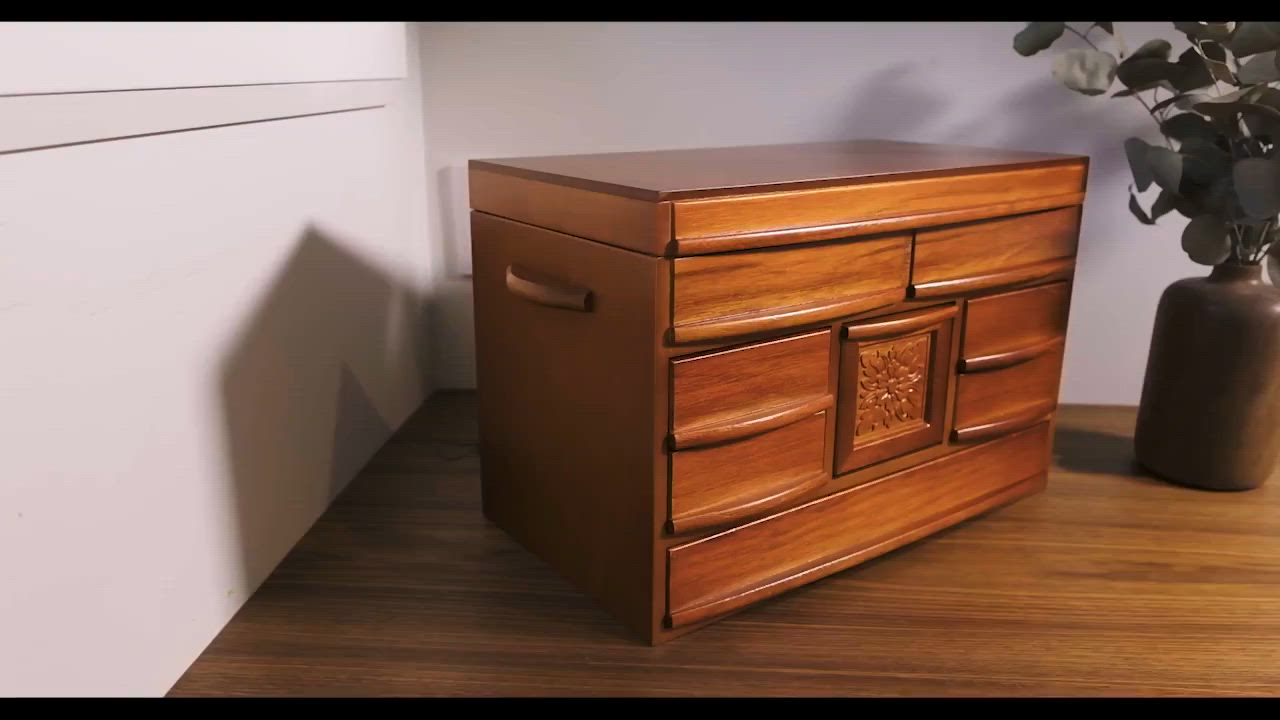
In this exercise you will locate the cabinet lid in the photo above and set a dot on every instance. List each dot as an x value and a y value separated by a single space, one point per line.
662 175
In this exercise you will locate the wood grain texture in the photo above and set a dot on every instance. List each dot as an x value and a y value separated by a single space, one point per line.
869 201
733 481
619 221
734 293
991 396
556 428
727 571
894 375
721 387
996 251
1108 583
703 172
792 236
1004 322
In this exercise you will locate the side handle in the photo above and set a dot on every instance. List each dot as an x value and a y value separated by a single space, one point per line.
522 283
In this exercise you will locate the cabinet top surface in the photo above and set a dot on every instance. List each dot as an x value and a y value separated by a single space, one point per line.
707 172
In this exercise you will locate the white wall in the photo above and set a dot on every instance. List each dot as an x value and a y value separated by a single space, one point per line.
498 89
206 332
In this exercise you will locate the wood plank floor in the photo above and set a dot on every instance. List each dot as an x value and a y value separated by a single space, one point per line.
1108 583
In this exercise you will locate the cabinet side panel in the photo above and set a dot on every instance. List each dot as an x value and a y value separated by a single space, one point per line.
567 407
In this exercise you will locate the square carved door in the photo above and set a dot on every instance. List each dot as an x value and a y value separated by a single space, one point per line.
894 373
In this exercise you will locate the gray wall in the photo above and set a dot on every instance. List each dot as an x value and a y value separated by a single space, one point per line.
498 89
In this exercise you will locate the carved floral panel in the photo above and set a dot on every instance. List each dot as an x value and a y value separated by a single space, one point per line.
893 378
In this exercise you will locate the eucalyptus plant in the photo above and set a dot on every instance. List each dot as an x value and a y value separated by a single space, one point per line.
1217 107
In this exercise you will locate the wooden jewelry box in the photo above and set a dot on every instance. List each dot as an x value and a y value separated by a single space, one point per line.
708 376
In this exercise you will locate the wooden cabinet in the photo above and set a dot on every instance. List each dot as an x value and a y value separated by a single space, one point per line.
707 376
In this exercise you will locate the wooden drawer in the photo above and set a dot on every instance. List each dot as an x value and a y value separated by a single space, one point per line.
1000 330
737 567
725 482
994 253
995 402
737 293
894 373
748 428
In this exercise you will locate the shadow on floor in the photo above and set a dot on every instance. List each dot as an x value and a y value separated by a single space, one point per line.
1096 453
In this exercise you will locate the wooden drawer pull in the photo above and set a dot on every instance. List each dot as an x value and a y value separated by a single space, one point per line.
898 325
1047 270
745 426
1024 418
551 294
742 508
1002 360
774 319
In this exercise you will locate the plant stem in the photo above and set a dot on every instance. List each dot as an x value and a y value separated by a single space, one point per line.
1263 245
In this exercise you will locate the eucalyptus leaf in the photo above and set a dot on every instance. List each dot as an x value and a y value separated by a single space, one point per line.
1233 96
1138 212
1190 29
1213 51
1251 38
1037 36
1218 32
1205 240
1145 72
1087 71
1166 167
1186 127
1158 49
1221 201
1187 101
1216 57
1164 204
1165 84
1261 68
1193 72
1262 126
1257 115
1169 101
1203 164
1186 207
1257 184
1135 149
1265 96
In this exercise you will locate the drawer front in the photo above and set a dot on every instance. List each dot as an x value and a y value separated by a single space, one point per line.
724 482
894 373
748 428
758 290
994 253
727 571
903 203
995 402
732 386
1002 329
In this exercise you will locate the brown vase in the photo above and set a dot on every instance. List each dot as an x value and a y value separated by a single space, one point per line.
1210 410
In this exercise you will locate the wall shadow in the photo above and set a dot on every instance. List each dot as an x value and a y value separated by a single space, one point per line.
892 104
299 384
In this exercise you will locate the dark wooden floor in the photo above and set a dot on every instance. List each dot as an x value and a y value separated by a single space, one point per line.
1109 583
